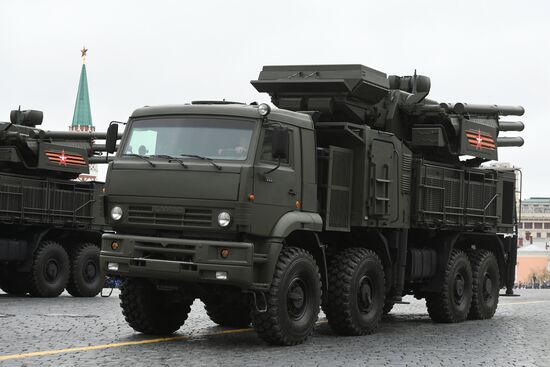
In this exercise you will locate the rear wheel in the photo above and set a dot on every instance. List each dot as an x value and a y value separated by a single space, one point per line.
293 299
150 311
486 285
86 279
13 282
356 292
50 270
228 310
452 304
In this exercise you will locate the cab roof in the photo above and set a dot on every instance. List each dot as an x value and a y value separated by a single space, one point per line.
298 119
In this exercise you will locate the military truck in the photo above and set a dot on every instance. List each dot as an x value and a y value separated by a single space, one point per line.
50 224
355 191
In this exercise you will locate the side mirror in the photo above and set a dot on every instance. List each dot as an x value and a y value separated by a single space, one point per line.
279 143
112 136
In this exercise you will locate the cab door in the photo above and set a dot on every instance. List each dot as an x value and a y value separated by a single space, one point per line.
279 191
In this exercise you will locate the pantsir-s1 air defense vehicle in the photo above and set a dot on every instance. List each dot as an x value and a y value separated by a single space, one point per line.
356 191
50 224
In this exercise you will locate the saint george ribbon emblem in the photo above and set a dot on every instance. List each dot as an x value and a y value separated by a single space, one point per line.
64 159
480 140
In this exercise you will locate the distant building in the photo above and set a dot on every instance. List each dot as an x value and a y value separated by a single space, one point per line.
82 116
535 220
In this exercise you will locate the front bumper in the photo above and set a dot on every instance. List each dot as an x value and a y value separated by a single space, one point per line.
178 259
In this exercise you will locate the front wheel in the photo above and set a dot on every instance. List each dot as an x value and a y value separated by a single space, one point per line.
293 299
150 311
356 292
231 310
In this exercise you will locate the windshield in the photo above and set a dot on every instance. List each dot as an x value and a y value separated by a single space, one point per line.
214 138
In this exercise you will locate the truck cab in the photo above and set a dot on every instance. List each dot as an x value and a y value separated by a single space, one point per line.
195 193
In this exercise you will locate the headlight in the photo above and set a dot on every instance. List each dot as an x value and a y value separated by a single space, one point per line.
116 213
224 219
264 109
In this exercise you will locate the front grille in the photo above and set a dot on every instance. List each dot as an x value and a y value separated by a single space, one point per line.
170 216
171 252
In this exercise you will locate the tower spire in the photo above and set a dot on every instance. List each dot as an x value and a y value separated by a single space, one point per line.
82 116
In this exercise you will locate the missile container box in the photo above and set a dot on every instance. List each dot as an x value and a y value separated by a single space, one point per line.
356 191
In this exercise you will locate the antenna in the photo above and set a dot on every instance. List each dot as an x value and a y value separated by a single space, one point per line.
414 82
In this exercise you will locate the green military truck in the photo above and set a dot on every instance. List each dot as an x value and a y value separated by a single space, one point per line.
356 191
50 224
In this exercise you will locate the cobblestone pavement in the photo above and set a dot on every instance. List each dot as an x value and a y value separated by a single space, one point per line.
518 335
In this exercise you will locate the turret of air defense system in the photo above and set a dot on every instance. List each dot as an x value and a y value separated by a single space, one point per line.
356 191
398 105
26 149
50 223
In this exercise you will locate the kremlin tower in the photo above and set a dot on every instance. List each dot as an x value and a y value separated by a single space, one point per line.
82 116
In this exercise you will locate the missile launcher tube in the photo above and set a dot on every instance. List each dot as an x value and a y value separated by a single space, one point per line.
510 126
515 141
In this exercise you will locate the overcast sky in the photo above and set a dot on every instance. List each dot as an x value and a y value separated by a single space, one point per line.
159 52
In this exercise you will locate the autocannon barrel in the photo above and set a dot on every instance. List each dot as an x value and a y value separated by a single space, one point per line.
100 147
484 109
515 141
510 126
22 135
74 135
100 159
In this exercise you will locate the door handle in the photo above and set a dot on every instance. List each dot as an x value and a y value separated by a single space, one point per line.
291 192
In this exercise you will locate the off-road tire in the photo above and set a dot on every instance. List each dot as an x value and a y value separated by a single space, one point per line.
50 270
452 304
486 285
293 299
388 306
14 283
356 292
150 311
232 312
86 278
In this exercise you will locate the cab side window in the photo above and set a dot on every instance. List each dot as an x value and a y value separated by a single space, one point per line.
266 148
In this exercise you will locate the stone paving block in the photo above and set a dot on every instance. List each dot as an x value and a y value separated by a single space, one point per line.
518 335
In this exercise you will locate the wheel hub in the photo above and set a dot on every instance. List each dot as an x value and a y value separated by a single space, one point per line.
51 270
296 299
90 271
487 287
459 288
364 294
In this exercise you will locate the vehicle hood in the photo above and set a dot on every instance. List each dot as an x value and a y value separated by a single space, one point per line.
199 180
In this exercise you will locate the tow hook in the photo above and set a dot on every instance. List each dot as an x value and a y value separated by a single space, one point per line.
259 296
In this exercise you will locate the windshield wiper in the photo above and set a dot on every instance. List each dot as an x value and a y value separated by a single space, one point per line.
170 159
204 159
140 156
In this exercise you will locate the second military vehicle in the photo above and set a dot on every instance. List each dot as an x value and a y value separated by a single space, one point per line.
356 191
50 224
